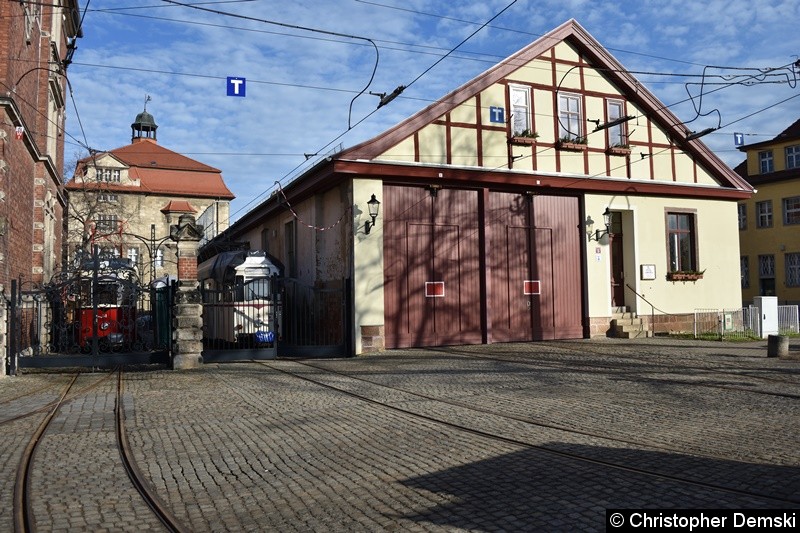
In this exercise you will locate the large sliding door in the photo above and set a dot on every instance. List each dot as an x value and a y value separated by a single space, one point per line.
432 278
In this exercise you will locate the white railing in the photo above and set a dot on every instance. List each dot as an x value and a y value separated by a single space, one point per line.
742 323
788 321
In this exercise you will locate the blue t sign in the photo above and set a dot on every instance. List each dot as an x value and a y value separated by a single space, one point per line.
497 114
738 139
236 86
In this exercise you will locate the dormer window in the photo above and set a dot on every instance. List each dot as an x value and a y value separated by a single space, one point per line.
793 156
765 162
108 174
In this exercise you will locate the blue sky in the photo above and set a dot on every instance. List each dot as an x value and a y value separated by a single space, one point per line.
300 83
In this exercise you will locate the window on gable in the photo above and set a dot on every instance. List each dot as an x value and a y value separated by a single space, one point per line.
617 135
520 111
570 117
681 241
108 174
764 214
765 162
742 216
793 156
791 210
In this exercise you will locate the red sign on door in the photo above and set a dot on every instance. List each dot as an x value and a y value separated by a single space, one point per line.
434 289
532 286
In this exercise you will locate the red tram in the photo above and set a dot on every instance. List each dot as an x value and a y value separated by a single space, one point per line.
105 308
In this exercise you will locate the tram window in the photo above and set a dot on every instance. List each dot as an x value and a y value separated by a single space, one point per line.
257 289
107 294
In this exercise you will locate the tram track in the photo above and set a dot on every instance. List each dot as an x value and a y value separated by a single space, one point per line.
520 442
23 508
50 404
731 373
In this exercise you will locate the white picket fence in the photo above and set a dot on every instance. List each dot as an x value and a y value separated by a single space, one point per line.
742 323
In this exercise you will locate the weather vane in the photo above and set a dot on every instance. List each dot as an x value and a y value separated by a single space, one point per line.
146 99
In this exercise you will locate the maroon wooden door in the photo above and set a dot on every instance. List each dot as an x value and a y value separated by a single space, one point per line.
432 278
533 262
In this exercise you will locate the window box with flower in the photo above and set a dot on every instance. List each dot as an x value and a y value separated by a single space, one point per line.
572 144
524 137
619 149
685 275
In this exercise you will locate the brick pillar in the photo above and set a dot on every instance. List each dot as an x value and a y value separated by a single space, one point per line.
187 320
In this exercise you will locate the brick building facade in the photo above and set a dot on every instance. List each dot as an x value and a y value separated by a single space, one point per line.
35 48
37 41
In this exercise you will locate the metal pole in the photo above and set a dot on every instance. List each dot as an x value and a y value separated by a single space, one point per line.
94 287
11 356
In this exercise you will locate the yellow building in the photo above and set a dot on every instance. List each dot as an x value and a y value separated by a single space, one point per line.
769 222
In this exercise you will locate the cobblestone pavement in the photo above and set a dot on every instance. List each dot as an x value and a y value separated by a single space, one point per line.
504 437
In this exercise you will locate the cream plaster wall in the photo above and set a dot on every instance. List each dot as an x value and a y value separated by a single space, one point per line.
432 144
644 228
402 151
367 260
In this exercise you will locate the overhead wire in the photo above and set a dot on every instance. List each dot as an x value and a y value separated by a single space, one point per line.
291 172
297 27
350 125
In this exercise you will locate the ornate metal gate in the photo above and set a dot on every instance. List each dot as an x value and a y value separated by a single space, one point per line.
96 316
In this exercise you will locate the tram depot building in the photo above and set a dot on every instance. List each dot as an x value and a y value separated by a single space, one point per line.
534 202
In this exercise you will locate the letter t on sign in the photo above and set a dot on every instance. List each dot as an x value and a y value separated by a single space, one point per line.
236 86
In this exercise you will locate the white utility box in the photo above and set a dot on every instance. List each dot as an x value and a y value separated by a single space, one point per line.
767 314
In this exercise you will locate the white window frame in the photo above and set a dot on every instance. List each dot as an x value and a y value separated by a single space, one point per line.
791 210
107 222
133 255
570 117
766 163
108 174
764 214
158 259
521 117
617 135
108 198
793 156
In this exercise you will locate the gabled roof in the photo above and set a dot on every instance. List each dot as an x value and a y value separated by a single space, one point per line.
160 171
178 206
575 34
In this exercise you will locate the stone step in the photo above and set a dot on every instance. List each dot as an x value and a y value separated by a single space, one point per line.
626 321
640 334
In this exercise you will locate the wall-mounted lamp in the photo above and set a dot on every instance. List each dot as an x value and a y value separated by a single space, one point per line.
373 205
598 234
